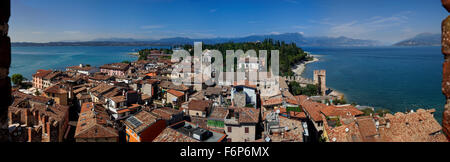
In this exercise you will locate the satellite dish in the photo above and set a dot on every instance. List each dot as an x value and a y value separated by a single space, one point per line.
334 139
277 111
267 139
346 129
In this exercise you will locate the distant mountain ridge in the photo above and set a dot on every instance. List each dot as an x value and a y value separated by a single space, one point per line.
296 38
423 39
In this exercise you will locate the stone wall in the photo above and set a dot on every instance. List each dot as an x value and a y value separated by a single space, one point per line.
5 61
446 69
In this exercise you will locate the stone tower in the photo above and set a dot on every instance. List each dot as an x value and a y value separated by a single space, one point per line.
5 62
320 80
446 69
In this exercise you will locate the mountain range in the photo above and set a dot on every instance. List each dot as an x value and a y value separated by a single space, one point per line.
423 39
297 38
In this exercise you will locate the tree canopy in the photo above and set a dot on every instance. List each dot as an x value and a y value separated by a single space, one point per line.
17 79
290 54
309 90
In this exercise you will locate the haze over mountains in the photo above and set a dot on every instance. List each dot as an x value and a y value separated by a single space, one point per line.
424 39
297 38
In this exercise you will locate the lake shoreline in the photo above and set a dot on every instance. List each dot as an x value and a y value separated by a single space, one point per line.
300 67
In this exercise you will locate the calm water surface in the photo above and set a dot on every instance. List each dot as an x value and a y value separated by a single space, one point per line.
397 78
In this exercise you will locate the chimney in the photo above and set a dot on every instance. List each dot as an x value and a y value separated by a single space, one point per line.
10 117
48 130
35 117
29 134
27 112
39 117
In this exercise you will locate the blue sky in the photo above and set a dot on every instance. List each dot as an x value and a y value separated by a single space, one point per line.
62 20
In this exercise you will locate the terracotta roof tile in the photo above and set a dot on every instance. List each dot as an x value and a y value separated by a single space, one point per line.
171 135
199 105
116 66
175 93
94 123
145 118
166 113
55 89
41 73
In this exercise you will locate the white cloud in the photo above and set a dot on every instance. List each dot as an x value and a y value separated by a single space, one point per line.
37 32
152 26
276 33
364 28
71 32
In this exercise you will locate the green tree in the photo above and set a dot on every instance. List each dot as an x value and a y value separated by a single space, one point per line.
367 111
126 62
17 79
289 54
309 90
295 88
37 93
340 101
382 111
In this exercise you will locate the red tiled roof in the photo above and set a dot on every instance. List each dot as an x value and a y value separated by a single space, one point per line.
41 73
146 118
52 75
246 83
78 68
419 126
344 133
171 135
165 112
116 66
292 114
55 89
341 111
55 112
367 128
175 93
93 123
246 114
118 99
199 105
273 101
310 107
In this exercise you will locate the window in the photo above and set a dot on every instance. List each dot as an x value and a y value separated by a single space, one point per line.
246 130
229 129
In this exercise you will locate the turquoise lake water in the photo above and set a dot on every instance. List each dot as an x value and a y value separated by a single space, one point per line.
26 60
397 78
